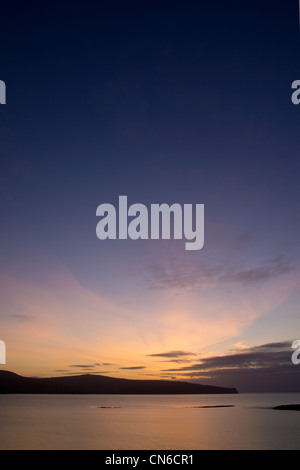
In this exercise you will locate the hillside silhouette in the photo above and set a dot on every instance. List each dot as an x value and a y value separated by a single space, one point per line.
99 384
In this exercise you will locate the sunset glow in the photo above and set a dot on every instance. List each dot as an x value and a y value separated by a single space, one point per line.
136 109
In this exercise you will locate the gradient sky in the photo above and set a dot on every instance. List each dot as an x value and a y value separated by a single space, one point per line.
165 102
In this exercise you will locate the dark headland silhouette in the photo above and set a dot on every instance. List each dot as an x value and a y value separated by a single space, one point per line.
100 384
293 407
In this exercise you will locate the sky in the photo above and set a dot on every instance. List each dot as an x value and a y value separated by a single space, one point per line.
163 102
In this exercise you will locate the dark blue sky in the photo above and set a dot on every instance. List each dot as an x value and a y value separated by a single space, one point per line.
167 101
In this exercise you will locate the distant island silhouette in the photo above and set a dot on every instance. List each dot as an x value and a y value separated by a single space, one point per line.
100 384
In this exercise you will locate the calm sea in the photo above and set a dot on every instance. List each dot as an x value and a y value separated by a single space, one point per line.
137 422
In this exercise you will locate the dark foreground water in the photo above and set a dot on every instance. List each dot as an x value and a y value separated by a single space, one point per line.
121 422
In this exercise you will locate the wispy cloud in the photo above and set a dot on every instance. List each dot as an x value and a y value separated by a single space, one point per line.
266 355
83 366
172 354
175 273
133 368
21 317
265 367
271 269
